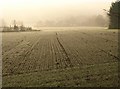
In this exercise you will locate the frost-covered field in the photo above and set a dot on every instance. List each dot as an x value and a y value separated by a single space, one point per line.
84 57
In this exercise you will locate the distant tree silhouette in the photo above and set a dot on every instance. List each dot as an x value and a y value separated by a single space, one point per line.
100 20
16 28
22 28
114 15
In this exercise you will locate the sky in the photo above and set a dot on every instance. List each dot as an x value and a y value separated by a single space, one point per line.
32 11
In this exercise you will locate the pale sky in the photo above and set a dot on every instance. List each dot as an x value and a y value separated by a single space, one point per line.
31 11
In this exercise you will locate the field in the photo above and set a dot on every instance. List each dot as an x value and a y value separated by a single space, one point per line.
79 57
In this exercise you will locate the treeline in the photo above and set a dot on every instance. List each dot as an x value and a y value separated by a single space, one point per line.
73 21
114 15
16 29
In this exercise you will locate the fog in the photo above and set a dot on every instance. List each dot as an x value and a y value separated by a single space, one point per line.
34 12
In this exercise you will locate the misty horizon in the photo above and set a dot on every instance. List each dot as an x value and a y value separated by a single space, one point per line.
31 12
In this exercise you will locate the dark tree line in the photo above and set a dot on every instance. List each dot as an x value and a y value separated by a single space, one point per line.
114 15
15 28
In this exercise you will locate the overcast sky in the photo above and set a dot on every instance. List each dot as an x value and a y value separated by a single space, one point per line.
31 11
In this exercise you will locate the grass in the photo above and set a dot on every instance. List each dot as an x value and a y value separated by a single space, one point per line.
61 58
105 75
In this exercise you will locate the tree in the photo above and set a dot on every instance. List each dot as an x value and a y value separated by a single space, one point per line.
22 28
114 15
16 28
100 21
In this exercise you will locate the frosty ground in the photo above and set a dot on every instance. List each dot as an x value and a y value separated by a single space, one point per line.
52 57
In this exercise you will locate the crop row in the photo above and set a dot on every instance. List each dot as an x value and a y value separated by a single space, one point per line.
58 50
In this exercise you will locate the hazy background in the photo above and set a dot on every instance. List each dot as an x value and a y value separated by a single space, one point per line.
54 12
